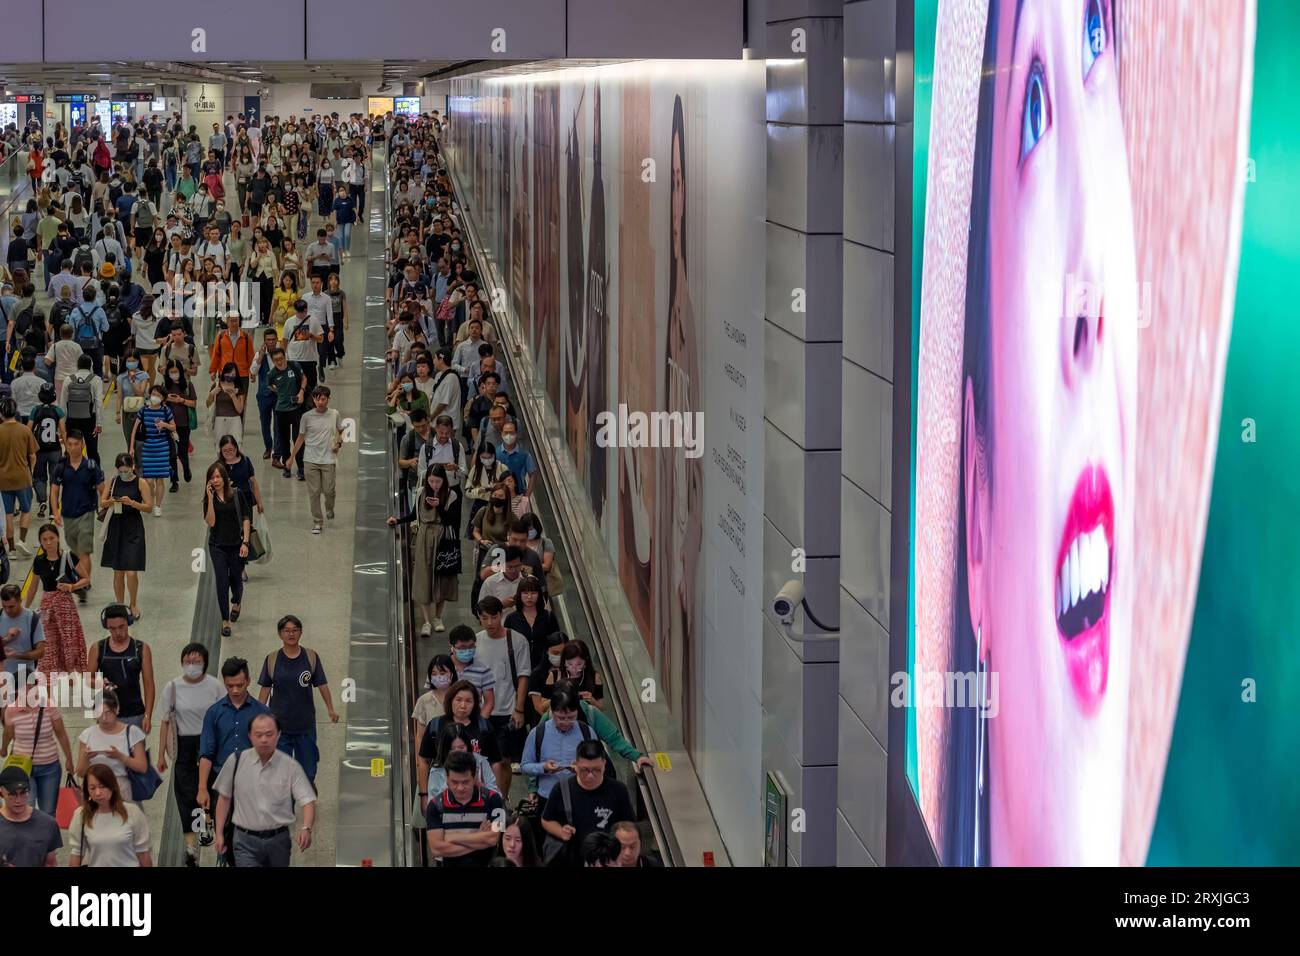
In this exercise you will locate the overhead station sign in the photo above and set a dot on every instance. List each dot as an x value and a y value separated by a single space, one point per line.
134 96
24 98
76 97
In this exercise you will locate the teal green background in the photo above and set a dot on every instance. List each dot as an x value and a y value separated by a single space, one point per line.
1231 792
1232 786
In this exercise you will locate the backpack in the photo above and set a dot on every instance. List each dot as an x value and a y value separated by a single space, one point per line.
87 332
83 256
81 398
271 659
45 426
144 214
587 734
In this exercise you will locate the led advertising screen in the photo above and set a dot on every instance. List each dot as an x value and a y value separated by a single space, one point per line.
379 105
407 106
1103 613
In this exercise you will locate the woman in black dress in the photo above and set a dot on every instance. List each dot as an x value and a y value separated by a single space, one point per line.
125 497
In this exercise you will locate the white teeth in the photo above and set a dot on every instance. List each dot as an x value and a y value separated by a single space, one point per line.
1076 569
1086 570
1085 565
1105 564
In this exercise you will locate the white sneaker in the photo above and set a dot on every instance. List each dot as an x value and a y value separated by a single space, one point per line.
438 625
23 549
424 629
315 529
157 512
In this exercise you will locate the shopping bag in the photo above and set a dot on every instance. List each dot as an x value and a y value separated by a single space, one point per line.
69 802
262 531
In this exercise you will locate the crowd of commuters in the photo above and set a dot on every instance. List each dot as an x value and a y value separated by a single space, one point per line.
106 299
514 750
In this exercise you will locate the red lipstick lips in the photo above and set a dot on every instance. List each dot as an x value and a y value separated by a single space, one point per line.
1084 569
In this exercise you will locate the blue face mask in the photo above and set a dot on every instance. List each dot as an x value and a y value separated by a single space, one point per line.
133 365
465 654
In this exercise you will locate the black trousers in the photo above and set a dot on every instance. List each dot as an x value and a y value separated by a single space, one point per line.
228 571
286 433
229 829
87 428
180 452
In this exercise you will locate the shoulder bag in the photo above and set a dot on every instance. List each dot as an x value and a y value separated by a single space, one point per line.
24 762
144 783
556 852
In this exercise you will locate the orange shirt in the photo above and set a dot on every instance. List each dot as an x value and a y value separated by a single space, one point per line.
240 352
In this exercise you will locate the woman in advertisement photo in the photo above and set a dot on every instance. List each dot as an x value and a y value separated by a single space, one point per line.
546 237
597 321
681 480
1046 437
576 330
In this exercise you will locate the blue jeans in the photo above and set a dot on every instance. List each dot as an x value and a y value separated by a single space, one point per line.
302 748
45 785
345 235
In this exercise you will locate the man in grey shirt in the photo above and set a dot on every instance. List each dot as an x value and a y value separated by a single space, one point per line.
21 634
321 256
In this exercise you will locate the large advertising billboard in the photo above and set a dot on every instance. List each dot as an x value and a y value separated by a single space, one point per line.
1104 505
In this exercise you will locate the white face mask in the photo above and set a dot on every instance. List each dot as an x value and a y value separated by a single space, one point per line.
155 400
192 671
508 440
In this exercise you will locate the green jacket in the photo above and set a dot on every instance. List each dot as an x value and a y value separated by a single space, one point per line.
605 729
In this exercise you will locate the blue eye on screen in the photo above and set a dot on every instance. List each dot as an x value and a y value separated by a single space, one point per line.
1035 111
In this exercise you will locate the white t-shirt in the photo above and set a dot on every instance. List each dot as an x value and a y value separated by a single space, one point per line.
302 351
493 653
447 393
190 702
110 841
320 431
96 739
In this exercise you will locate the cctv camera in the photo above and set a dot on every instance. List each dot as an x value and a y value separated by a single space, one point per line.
787 601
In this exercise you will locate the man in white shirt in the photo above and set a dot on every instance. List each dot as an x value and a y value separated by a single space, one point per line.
63 355
443 450
302 334
267 784
213 248
446 398
26 389
510 671
104 244
321 308
320 432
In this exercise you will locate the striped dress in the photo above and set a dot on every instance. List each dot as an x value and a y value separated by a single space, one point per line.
152 447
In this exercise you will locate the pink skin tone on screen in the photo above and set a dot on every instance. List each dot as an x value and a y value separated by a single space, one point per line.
1057 495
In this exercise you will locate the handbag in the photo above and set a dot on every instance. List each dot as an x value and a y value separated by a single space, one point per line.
132 404
69 801
263 532
446 553
144 783
25 761
255 551
193 418
556 852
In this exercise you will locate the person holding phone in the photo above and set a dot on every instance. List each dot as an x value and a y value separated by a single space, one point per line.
112 742
229 528
126 497
227 399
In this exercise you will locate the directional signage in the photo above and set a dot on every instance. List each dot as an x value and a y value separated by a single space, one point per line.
76 97
134 96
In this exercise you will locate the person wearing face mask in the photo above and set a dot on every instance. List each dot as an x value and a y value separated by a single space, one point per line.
431 705
491 525
435 548
517 458
185 700
484 475
125 497
227 399
132 388
151 443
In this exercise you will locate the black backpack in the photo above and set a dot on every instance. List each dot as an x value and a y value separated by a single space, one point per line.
45 426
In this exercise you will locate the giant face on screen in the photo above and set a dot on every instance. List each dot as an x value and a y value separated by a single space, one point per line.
1065 423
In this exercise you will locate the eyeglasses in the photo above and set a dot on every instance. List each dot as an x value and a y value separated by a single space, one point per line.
590 771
